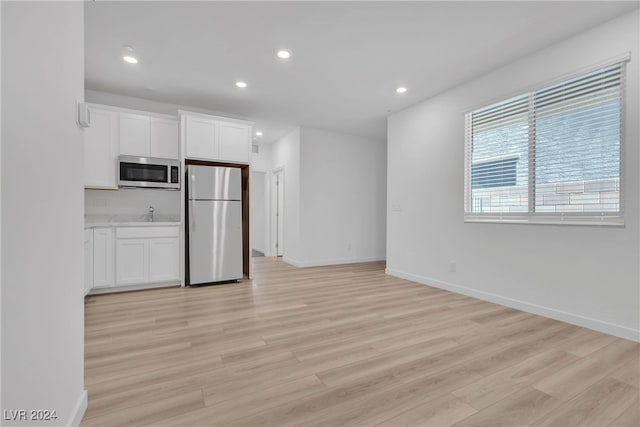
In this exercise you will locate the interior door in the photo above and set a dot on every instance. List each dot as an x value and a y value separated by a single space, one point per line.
259 212
279 212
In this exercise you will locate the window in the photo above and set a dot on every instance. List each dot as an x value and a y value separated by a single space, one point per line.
550 156
496 173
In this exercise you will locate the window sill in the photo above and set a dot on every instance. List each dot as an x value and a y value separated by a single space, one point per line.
586 220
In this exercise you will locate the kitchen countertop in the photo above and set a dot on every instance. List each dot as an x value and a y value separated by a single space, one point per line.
92 221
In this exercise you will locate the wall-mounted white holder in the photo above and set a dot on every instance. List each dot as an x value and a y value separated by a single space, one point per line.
84 115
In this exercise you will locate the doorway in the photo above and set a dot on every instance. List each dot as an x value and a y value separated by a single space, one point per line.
277 192
259 214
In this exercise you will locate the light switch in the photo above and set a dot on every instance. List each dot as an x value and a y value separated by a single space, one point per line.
396 207
84 115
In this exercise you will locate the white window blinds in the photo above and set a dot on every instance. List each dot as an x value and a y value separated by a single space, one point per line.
552 155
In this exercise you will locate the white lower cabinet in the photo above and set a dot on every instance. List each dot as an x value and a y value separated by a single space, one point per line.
132 260
88 260
103 257
124 256
163 259
147 255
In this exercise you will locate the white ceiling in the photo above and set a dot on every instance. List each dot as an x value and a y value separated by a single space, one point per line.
348 57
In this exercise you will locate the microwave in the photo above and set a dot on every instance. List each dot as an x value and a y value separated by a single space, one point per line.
148 172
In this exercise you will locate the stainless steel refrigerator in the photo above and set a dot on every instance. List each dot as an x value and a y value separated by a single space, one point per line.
214 224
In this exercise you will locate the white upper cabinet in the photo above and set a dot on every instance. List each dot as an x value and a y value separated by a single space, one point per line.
164 138
134 135
216 138
148 136
101 149
235 140
201 138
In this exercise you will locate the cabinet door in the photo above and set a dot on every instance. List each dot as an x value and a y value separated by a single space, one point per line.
164 255
134 135
101 149
234 139
201 138
132 261
88 260
103 257
163 138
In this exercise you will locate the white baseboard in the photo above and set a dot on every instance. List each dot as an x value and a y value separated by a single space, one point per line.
574 319
338 261
138 287
79 410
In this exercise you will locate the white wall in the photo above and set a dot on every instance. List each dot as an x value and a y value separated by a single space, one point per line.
581 274
1 405
42 203
285 155
342 198
334 197
261 161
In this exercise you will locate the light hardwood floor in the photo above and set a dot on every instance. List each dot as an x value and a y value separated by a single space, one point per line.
346 345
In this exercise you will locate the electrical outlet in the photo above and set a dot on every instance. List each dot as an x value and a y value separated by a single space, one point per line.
452 267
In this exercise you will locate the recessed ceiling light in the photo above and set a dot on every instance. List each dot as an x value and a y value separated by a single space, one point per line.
401 89
259 133
127 54
241 84
284 54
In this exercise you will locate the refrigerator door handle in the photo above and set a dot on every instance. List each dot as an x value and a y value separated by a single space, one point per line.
192 215
192 186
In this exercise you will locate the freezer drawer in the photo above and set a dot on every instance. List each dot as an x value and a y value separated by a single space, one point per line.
215 241
214 183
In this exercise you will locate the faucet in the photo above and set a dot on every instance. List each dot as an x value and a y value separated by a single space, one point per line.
150 213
